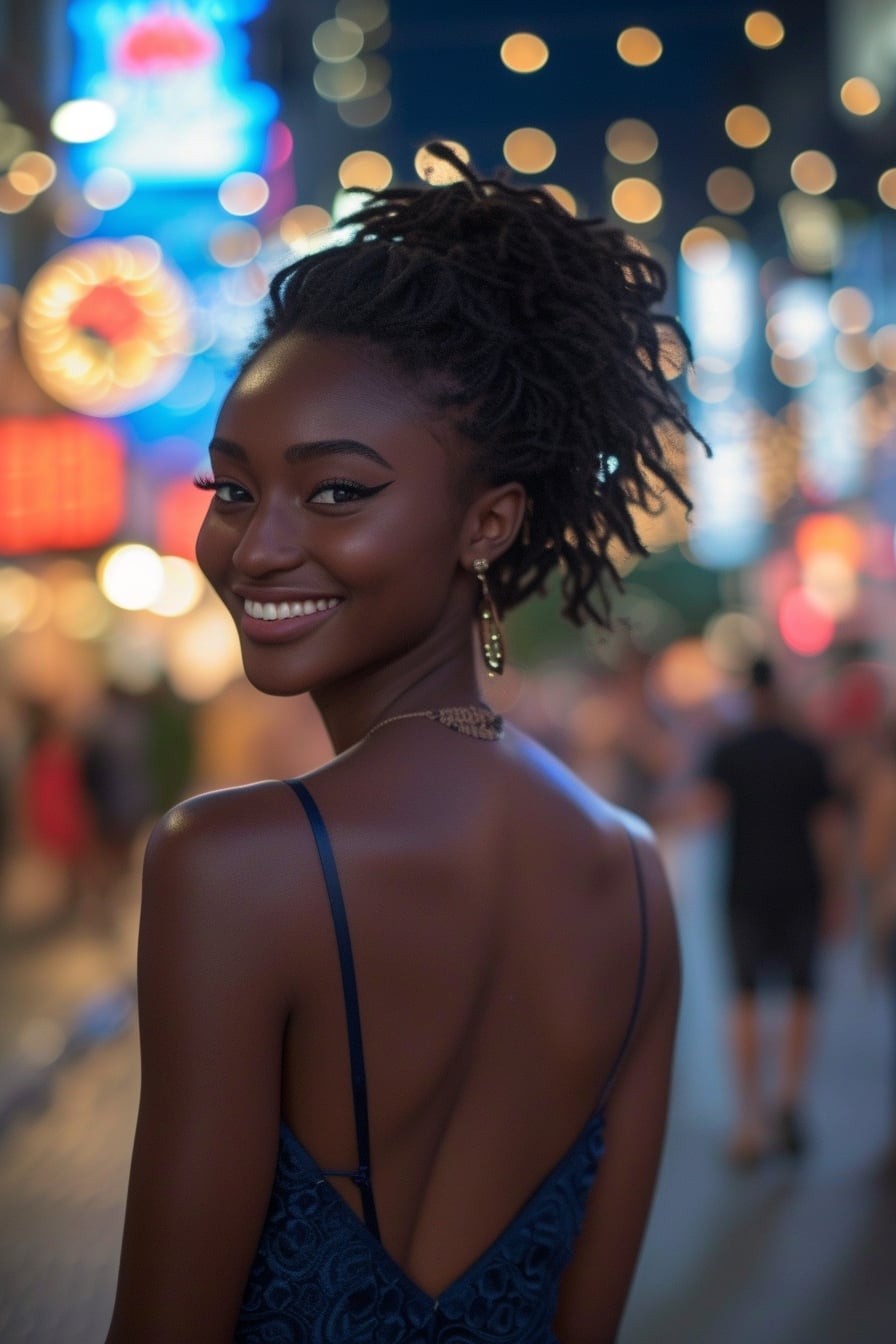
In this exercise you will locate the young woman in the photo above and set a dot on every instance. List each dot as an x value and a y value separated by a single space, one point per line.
406 1025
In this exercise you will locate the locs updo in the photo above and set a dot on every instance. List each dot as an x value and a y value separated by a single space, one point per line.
538 327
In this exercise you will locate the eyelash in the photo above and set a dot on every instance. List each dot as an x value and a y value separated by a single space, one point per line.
202 481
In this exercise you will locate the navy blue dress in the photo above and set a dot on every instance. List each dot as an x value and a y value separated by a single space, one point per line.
322 1276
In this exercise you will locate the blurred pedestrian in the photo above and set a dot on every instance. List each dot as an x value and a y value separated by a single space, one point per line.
785 857
52 801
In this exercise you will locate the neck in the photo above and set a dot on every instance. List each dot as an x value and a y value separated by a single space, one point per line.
350 711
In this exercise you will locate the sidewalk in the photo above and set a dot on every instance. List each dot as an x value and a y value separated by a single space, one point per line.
66 984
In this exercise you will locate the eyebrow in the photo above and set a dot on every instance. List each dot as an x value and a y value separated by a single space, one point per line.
306 452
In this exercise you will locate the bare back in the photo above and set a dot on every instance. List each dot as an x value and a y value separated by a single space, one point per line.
496 935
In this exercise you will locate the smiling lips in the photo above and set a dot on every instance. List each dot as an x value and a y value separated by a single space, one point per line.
281 611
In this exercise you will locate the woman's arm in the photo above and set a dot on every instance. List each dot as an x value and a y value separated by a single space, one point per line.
211 1029
594 1288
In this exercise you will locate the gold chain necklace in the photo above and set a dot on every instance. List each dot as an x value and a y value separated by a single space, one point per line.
470 720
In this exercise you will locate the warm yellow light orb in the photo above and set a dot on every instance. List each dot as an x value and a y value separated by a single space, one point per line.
131 576
764 29
813 172
438 172
524 53
706 250
747 126
365 170
886 187
529 150
636 200
631 141
562 197
639 46
860 96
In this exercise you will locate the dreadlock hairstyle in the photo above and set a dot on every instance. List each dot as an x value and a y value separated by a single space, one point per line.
538 327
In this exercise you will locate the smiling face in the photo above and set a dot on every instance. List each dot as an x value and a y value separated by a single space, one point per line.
334 532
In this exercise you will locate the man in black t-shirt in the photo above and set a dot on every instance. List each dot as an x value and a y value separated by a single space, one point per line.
784 854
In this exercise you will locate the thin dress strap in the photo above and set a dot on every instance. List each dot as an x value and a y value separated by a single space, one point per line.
642 971
361 1177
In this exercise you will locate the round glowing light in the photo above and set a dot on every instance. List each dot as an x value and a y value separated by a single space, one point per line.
860 96
764 29
636 200
706 250
631 140
886 187
336 82
365 170
14 140
747 126
243 193
804 628
883 344
813 172
337 40
796 372
108 188
829 534
562 197
13 201
524 53
639 46
830 585
32 172
377 76
131 576
367 14
730 190
437 172
301 222
529 150
850 309
182 587
104 326
82 120
234 244
364 112
854 352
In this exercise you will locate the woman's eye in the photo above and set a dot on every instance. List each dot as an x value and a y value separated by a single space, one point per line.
343 492
227 491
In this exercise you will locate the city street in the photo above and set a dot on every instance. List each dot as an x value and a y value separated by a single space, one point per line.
790 1253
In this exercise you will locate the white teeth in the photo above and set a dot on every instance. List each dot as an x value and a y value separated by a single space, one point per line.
279 611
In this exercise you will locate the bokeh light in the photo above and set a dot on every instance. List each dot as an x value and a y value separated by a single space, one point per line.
365 170
337 40
813 172
336 82
529 150
130 576
747 126
631 140
234 244
301 222
83 120
730 190
804 628
886 187
108 188
883 346
639 46
437 172
32 172
850 309
524 53
367 14
181 588
636 200
562 197
764 29
860 96
243 193
706 250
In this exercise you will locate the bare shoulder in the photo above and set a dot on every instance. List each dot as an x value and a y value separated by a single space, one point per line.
231 861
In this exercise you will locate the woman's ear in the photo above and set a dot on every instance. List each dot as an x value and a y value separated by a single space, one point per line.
492 522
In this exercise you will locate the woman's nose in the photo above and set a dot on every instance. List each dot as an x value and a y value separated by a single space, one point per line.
272 540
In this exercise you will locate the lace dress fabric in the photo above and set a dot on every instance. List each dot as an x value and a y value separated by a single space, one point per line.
321 1274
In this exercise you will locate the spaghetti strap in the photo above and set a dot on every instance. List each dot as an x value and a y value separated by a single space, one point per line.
361 1176
642 971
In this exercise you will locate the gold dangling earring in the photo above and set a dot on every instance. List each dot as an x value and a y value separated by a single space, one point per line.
490 636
